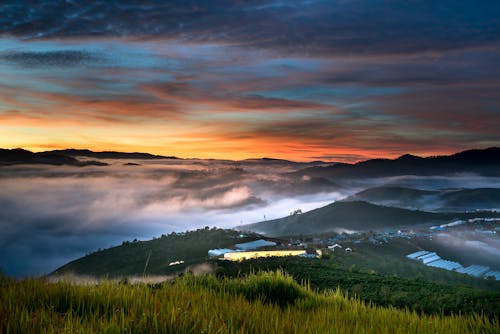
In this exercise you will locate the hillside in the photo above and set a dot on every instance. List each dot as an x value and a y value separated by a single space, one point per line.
357 215
443 200
262 303
130 258
483 162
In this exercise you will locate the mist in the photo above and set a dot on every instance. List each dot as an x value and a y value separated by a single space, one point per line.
54 214
51 214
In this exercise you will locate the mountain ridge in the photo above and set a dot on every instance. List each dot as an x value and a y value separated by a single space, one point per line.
18 156
354 216
480 161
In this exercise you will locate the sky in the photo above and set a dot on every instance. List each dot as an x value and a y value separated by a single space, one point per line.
329 80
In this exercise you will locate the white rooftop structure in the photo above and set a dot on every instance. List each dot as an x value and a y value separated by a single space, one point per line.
219 251
445 264
425 256
495 274
474 270
429 259
413 256
254 244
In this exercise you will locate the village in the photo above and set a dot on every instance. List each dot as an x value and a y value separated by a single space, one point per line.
316 247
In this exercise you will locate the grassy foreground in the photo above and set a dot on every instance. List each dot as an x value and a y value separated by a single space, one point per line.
269 302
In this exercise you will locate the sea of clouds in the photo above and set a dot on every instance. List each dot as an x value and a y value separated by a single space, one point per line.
53 214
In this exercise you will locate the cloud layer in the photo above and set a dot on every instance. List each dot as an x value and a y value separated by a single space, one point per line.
306 27
343 80
51 215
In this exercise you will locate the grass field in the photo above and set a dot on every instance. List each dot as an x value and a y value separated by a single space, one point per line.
269 302
382 290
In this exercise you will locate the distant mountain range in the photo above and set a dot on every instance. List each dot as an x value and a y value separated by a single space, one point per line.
354 215
19 156
68 157
484 162
109 154
438 200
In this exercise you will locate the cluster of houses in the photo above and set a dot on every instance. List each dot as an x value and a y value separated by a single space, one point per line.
332 248
442 227
432 259
248 250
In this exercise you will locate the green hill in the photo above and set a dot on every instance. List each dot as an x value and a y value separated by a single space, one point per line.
357 215
130 258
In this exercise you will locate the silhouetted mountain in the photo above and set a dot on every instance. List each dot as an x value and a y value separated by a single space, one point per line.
109 154
440 200
484 162
19 156
281 162
358 216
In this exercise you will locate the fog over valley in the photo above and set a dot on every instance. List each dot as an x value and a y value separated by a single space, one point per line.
53 214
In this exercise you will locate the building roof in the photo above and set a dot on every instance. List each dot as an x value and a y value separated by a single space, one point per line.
430 259
239 256
428 255
474 270
219 251
254 244
445 264
495 274
413 256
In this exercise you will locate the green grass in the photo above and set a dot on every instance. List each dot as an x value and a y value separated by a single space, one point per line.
259 303
384 290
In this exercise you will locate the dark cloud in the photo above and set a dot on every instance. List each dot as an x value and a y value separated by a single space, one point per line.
57 59
226 98
307 27
469 68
